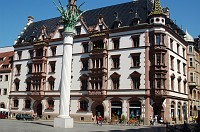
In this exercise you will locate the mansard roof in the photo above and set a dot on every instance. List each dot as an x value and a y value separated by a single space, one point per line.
125 13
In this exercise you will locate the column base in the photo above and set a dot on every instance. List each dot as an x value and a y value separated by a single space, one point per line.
64 122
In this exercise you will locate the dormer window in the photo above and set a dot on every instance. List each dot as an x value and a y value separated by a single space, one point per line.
100 27
78 30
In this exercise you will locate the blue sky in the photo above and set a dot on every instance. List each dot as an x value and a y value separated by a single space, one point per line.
14 13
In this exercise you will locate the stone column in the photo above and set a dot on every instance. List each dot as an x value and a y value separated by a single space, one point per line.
64 120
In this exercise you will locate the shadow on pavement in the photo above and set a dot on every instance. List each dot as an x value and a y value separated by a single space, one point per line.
38 123
152 129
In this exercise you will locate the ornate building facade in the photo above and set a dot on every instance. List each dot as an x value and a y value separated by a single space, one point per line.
128 59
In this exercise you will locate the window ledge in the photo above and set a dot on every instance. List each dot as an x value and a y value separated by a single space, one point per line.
14 108
82 110
115 68
52 72
132 67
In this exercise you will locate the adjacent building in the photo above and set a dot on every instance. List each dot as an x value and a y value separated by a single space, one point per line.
6 64
128 59
193 75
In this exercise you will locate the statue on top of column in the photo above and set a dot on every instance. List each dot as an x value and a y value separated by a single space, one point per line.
70 15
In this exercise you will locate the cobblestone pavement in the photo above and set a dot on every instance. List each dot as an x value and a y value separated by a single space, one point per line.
47 126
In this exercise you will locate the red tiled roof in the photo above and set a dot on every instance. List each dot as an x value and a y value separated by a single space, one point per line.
6 61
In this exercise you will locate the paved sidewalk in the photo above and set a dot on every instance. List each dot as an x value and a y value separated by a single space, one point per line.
47 126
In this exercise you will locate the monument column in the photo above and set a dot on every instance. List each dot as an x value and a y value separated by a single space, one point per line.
69 17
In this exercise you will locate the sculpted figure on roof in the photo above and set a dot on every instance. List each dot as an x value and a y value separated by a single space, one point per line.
70 15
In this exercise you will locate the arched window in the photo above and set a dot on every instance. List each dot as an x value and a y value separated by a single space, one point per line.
2 105
179 111
50 104
115 77
51 83
135 78
116 109
27 104
173 110
134 109
83 105
190 49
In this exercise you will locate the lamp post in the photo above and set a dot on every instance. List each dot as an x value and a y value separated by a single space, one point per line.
69 17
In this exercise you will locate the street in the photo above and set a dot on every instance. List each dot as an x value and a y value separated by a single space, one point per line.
47 126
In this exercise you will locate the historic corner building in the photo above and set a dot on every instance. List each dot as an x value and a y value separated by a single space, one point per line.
128 59
6 68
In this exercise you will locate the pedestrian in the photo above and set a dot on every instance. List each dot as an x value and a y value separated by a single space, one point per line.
100 119
151 120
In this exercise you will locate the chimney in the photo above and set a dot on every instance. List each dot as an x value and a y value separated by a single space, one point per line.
30 20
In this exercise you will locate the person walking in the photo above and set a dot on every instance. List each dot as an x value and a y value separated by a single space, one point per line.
100 119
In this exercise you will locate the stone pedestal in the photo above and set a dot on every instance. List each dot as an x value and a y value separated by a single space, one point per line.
64 122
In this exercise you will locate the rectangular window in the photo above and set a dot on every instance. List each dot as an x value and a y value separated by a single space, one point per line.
31 53
78 30
135 59
185 88
52 65
29 65
5 92
179 85
191 77
85 65
116 61
191 62
158 39
158 59
116 43
172 83
178 48
136 41
6 77
1 77
19 53
171 44
85 47
183 52
52 85
53 50
178 66
115 82
184 69
18 69
136 82
84 85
